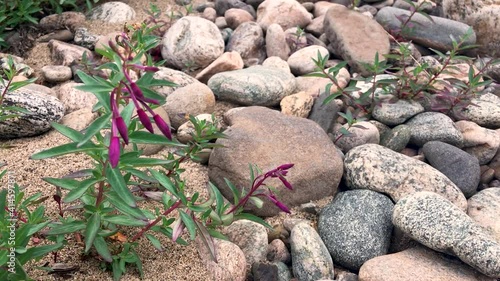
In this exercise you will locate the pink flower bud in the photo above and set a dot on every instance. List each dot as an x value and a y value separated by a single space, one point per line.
278 203
163 126
285 182
143 117
114 151
122 128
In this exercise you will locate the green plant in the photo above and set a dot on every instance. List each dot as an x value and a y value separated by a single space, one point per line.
99 202
295 41
8 85
18 225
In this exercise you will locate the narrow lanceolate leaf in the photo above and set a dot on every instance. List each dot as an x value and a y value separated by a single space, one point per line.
252 218
93 226
189 223
156 243
117 201
95 127
118 184
148 138
64 149
164 181
79 190
125 220
66 228
102 249
63 183
207 240
68 132
219 200
145 162
37 252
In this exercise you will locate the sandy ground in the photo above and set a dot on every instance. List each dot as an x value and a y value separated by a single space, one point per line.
176 262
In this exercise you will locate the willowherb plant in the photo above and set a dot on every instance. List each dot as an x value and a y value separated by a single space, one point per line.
102 200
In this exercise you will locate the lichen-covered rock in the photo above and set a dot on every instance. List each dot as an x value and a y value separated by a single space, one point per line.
112 12
433 126
43 109
380 169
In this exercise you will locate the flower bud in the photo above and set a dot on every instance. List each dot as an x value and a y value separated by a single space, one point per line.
122 128
163 126
143 117
114 151
278 203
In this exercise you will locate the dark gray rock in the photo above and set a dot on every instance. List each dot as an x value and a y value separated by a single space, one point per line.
459 166
248 40
435 34
324 115
264 271
221 6
397 138
356 227
434 126
438 224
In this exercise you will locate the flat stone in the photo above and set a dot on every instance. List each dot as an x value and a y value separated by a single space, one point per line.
287 13
433 126
248 40
56 73
397 113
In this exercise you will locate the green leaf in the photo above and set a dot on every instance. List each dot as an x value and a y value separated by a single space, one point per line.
65 149
38 252
234 190
117 201
63 183
146 162
165 182
68 132
102 249
119 185
95 127
156 243
65 228
189 223
148 138
79 190
93 225
125 220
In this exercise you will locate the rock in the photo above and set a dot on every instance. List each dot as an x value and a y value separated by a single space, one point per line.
276 44
226 34
221 6
355 37
251 237
79 119
209 14
380 169
433 126
257 85
434 34
74 99
43 109
248 41
419 263
397 113
485 111
112 12
65 54
192 41
361 133
301 62
299 105
404 58
192 99
267 138
230 264
397 138
278 252
435 222
41 89
278 63
85 39
321 7
286 13
64 20
460 167
479 142
21 68
220 22
484 208
63 35
316 27
235 17
56 73
324 114
356 226
487 174
264 271
483 16
315 86
227 62
180 78
310 257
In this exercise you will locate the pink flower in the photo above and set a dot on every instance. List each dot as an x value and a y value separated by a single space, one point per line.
122 128
143 117
280 205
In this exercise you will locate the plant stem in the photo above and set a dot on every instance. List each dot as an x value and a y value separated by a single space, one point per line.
156 221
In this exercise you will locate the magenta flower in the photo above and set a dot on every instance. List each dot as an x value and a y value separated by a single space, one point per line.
114 151
122 128
280 205
143 117
163 126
